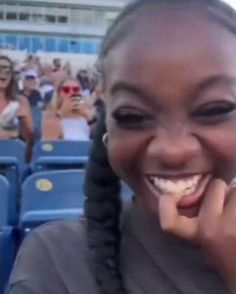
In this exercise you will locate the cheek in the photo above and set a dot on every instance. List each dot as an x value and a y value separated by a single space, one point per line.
8 81
220 143
63 96
126 150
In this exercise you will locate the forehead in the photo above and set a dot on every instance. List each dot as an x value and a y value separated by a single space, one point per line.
70 83
171 46
5 62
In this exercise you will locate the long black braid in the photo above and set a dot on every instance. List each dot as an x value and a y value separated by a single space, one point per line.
102 186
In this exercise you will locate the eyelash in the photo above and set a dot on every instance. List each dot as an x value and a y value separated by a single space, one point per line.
214 112
131 118
211 113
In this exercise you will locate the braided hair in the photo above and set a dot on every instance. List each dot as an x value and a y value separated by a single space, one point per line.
102 186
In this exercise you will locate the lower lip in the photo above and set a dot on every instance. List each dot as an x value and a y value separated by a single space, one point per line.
191 200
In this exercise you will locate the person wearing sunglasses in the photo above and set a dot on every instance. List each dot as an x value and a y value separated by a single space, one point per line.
68 116
15 114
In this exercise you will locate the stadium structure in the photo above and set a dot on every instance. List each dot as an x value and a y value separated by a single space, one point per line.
56 26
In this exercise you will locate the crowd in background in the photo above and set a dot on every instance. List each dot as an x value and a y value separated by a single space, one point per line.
69 102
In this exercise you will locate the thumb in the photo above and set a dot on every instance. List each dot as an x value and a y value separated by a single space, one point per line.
174 223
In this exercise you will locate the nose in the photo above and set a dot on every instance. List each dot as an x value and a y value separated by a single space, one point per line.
174 150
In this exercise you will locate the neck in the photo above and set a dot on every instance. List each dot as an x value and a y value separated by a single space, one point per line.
27 91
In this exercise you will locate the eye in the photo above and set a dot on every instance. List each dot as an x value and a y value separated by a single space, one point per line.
131 118
215 111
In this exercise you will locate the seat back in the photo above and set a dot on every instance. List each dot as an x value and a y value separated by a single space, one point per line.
13 148
13 167
4 201
52 195
37 118
60 154
126 192
7 255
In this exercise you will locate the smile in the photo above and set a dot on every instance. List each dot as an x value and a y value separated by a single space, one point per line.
186 190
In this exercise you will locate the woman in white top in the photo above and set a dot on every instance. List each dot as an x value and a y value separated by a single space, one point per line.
68 117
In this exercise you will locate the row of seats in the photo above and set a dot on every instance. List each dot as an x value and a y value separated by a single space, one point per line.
51 155
45 196
50 188
31 194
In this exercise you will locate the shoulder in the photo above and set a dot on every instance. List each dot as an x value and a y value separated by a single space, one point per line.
61 231
22 98
51 239
55 254
49 114
50 119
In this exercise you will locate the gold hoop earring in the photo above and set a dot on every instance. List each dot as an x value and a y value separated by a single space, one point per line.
105 139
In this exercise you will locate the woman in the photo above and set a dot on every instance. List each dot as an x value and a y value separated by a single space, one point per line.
169 74
15 115
68 117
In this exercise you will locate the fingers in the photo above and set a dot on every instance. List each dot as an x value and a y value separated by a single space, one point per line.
213 202
173 223
188 228
76 105
230 206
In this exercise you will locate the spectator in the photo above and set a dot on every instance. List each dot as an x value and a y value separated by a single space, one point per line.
15 117
58 72
83 79
32 63
46 84
68 116
30 90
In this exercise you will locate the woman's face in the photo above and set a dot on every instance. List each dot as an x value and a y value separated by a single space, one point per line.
171 113
5 74
69 89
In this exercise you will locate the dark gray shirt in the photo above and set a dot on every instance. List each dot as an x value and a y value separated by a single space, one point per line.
54 259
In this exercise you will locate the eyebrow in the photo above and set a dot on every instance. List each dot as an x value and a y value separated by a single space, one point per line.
215 80
212 81
123 86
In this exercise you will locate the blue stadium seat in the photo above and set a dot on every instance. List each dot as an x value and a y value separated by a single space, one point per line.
13 167
126 192
6 235
37 119
54 155
7 255
51 195
4 201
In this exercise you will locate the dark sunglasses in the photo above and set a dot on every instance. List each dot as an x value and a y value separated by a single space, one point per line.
5 70
69 90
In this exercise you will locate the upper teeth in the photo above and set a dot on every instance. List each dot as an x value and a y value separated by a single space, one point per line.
176 188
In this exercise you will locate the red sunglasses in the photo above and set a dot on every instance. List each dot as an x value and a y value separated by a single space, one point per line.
69 90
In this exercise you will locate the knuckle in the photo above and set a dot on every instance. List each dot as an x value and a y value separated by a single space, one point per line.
229 232
208 235
167 227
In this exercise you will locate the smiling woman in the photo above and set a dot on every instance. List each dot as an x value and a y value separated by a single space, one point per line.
169 73
15 114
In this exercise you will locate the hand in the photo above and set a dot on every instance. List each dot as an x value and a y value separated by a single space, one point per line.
214 229
68 107
85 110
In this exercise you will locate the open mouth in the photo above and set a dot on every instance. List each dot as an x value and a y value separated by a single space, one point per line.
187 190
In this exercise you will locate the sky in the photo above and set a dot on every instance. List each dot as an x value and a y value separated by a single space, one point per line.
232 2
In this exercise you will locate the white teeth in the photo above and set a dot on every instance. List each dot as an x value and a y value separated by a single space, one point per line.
176 188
